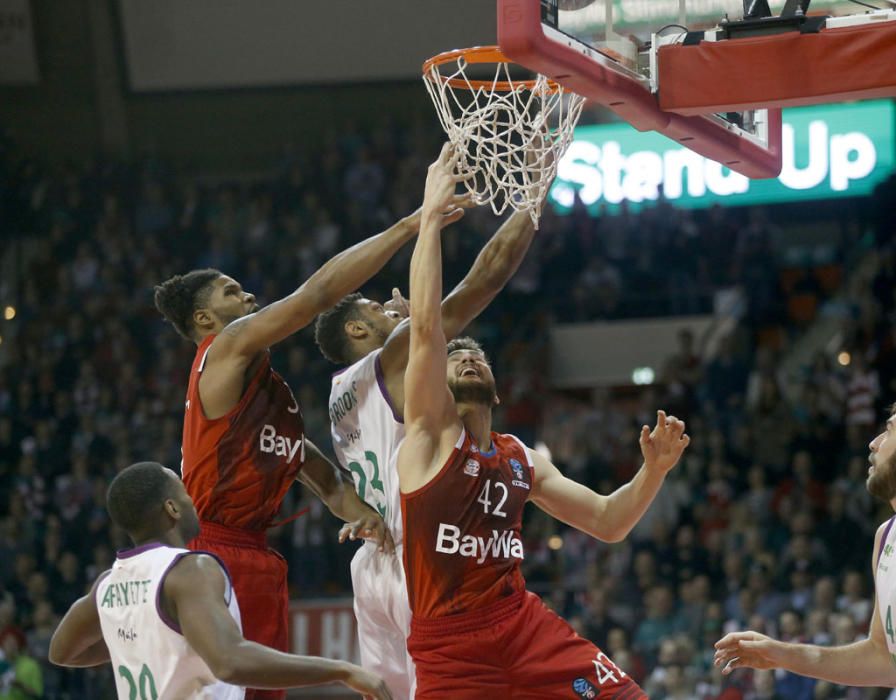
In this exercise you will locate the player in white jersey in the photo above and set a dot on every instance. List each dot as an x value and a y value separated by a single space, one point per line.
869 662
366 405
166 617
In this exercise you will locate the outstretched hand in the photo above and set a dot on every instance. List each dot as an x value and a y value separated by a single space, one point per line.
370 527
398 304
748 650
663 446
371 686
453 212
441 182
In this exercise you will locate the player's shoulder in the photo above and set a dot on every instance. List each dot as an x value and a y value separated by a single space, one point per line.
881 536
884 528
99 580
193 568
366 366
508 442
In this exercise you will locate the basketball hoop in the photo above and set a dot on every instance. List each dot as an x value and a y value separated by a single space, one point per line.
509 134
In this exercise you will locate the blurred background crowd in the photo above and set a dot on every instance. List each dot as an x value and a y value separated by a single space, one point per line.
766 524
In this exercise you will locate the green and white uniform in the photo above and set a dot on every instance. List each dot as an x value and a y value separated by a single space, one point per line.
885 585
366 432
150 657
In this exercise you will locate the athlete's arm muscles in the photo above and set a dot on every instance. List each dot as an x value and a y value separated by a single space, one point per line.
611 518
431 420
325 480
493 268
193 593
864 663
78 641
233 351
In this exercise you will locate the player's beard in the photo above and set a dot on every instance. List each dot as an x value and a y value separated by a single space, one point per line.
882 483
228 318
482 392
381 334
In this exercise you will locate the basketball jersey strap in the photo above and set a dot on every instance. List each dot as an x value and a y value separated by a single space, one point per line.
883 539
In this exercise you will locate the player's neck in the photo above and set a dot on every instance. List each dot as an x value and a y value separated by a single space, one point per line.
200 337
172 538
363 348
477 419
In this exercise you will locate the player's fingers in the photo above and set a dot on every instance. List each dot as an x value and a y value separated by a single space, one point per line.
446 152
732 639
452 217
685 441
721 658
343 533
729 639
660 422
388 545
735 662
645 434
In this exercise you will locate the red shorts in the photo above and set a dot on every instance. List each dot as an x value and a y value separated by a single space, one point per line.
514 649
259 581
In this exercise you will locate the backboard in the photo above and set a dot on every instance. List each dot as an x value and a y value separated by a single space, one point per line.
613 52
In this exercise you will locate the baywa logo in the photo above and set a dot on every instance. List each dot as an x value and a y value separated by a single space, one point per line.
888 550
583 688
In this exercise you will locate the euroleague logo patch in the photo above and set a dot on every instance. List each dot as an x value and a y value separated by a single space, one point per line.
518 473
471 468
583 688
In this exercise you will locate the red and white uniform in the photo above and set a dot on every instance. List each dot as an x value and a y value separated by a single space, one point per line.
237 469
476 632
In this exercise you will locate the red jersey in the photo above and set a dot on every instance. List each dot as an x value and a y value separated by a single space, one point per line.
462 543
237 468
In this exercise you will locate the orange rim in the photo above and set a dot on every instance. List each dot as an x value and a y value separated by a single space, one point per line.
478 54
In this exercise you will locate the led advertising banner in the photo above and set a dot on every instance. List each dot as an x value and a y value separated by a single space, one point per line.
830 151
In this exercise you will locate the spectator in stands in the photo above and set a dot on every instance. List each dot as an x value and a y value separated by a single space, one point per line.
20 675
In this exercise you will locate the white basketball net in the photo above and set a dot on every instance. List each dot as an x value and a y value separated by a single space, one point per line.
509 141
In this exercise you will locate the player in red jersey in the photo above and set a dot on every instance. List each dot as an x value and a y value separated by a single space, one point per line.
476 631
243 439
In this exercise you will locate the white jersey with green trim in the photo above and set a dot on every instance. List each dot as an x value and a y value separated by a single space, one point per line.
366 432
885 584
151 659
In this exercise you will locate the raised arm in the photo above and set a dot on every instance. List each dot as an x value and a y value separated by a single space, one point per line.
493 268
611 518
865 663
78 641
193 593
430 415
249 335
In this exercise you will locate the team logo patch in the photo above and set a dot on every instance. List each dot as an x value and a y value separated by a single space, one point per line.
583 688
518 473
471 468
